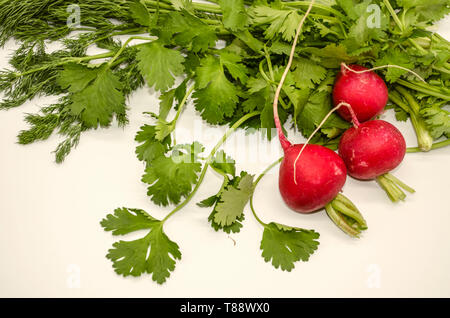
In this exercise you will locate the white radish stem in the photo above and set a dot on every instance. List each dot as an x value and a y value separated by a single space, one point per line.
343 65
283 140
354 121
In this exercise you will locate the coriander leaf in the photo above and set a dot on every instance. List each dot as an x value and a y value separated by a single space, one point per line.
234 16
284 245
187 31
232 63
76 77
139 13
125 221
215 96
349 8
161 260
235 227
428 10
181 5
208 202
249 40
361 31
332 55
223 163
171 178
315 109
255 84
159 65
214 200
163 129
150 147
437 120
280 21
130 257
395 57
307 73
166 103
94 99
232 201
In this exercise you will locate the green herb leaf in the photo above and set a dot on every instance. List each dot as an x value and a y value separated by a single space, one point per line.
234 16
130 257
283 245
150 148
223 163
171 178
96 93
125 221
280 21
215 96
187 31
159 65
233 200
139 13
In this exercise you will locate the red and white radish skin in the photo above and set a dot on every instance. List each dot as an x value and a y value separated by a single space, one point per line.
363 89
320 175
372 149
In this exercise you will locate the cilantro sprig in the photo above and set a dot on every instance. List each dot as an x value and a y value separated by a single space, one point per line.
133 257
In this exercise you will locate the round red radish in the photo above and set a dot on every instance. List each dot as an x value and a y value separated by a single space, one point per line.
320 175
374 148
366 92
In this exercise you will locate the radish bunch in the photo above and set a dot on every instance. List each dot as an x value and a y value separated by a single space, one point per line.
374 148
311 176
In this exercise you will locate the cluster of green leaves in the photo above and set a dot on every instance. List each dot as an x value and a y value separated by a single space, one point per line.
231 81
232 54
171 170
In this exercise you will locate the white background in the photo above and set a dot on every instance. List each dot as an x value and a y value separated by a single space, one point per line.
51 243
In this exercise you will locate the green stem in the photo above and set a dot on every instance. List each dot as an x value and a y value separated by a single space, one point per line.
180 109
66 61
346 216
269 63
417 46
392 186
441 69
413 105
124 32
254 186
424 138
420 88
205 7
436 145
393 14
182 104
208 161
124 46
271 82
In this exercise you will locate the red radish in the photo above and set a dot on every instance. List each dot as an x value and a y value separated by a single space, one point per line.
372 149
309 182
321 174
363 89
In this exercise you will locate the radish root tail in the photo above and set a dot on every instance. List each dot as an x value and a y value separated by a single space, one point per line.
354 121
285 144
343 65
